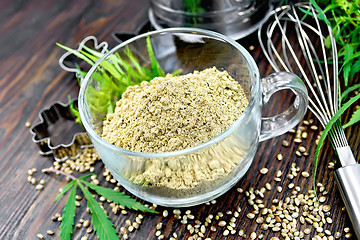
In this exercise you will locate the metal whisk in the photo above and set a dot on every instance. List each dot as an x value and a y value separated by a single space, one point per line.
290 28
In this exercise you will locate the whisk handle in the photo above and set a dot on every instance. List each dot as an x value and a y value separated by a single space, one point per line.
348 180
279 124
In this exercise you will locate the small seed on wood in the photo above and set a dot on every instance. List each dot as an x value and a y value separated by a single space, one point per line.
86 223
285 143
250 215
305 174
264 170
314 127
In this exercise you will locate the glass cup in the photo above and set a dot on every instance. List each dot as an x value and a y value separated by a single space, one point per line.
233 18
198 174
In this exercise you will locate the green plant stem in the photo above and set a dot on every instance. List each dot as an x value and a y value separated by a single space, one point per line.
48 170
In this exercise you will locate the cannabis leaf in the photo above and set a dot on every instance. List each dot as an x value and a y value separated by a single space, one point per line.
118 197
102 225
355 117
67 223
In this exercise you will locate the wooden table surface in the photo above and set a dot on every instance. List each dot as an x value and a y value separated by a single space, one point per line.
31 79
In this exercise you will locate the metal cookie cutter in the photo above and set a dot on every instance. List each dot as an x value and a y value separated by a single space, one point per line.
103 47
58 134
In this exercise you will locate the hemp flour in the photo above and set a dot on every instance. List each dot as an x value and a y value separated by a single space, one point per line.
177 112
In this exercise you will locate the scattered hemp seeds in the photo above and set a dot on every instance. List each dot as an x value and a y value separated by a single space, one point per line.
83 163
284 216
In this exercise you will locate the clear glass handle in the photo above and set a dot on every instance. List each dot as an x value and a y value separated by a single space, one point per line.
283 122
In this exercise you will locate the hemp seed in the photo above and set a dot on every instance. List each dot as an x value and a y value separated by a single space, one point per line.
314 127
348 235
86 223
285 143
264 170
222 223
165 213
250 215
305 174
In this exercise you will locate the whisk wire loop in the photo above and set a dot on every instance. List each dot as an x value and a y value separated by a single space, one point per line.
315 70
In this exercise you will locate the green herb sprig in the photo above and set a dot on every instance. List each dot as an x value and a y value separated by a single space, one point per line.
195 9
114 75
344 21
102 225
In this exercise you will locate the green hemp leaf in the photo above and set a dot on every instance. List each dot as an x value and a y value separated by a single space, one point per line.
102 225
66 226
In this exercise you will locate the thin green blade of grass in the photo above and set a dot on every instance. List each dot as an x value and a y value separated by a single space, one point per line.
321 14
348 53
102 225
115 59
68 215
93 52
105 64
74 111
76 53
176 72
155 66
135 63
111 108
136 77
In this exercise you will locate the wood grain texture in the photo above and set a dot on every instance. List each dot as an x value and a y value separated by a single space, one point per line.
31 79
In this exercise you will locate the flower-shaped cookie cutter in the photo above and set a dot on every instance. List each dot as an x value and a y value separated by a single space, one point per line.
103 46
57 133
